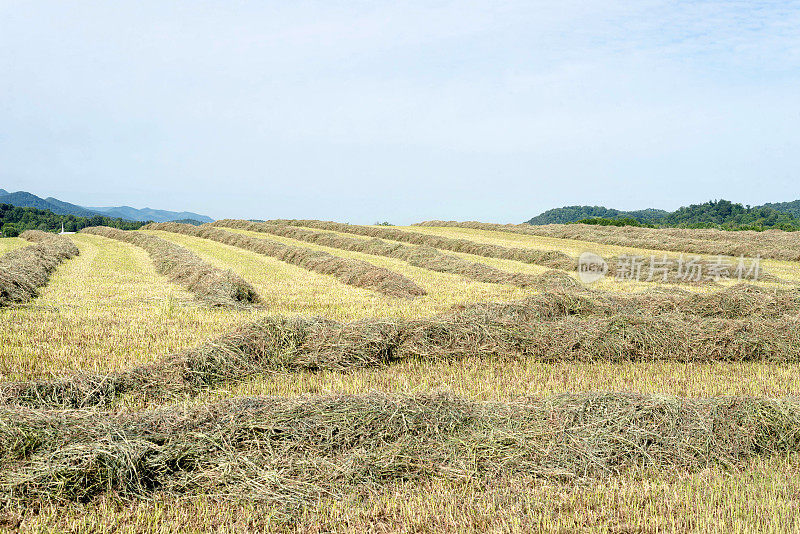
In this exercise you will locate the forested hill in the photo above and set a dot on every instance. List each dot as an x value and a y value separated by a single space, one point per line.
569 214
15 220
24 199
713 214
792 208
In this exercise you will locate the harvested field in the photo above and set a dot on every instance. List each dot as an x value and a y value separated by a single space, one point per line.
349 271
295 452
559 326
549 259
24 270
774 244
7 244
548 406
211 285
674 269
417 255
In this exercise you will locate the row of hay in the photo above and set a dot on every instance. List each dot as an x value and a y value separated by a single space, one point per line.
422 256
210 284
737 301
292 452
353 272
774 244
557 326
618 267
25 270
550 258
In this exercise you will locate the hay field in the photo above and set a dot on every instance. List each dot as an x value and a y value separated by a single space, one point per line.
8 244
415 417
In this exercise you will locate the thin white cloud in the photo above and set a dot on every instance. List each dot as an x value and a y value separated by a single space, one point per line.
297 105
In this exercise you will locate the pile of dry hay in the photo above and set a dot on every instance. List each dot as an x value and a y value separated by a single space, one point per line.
737 324
209 284
774 244
353 272
548 258
25 270
292 452
422 256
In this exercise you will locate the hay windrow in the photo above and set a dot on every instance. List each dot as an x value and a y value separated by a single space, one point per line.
739 324
617 266
353 272
25 270
549 258
183 267
773 244
423 256
296 451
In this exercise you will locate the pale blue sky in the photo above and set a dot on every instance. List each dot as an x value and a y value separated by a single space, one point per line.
400 111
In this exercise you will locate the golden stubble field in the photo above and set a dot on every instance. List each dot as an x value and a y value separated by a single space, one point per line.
108 310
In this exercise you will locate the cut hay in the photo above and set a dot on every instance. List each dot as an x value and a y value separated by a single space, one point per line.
548 258
773 244
353 272
741 324
25 270
292 452
183 267
422 256
617 266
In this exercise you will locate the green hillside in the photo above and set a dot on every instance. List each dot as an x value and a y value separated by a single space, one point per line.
569 214
712 214
15 220
792 208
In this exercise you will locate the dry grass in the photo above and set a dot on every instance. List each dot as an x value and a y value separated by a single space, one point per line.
200 463
771 271
774 244
24 270
105 309
297 451
7 244
551 259
216 287
108 310
497 378
418 255
675 272
349 271
763 497
571 324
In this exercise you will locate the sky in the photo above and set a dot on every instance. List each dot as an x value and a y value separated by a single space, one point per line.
400 111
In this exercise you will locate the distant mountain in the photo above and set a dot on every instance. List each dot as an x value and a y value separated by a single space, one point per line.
570 214
16 219
148 214
69 209
23 199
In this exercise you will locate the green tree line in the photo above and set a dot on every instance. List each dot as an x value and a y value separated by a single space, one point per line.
721 214
15 220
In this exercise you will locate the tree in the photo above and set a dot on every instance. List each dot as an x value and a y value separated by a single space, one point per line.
9 230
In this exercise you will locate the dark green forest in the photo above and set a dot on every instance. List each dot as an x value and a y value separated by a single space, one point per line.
15 220
570 214
722 214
